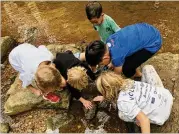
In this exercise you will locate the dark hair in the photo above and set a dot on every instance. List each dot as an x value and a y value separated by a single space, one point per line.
93 10
95 52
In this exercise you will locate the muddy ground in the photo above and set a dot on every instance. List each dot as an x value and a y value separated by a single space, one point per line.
65 22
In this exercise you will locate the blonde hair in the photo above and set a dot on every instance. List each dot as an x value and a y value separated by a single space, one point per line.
109 85
77 77
48 78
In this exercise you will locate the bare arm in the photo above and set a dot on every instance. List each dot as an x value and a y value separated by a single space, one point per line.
144 122
98 98
34 90
118 70
87 104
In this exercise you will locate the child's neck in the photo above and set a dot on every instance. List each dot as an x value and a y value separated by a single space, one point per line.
44 63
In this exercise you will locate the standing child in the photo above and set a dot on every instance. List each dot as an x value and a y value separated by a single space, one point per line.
102 23
139 102
36 70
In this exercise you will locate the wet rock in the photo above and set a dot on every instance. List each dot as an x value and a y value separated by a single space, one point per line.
100 130
104 104
4 128
91 130
102 117
90 113
167 66
2 66
49 131
6 44
22 99
58 121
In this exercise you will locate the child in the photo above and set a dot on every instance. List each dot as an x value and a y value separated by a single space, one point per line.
139 102
102 23
127 49
36 70
75 73
77 77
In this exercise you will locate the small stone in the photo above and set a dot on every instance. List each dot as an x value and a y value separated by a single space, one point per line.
30 131
30 116
2 66
4 128
173 79
79 126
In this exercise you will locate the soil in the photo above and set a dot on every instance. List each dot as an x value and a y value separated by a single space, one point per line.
66 22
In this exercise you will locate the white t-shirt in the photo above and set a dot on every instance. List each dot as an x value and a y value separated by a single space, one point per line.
155 102
25 58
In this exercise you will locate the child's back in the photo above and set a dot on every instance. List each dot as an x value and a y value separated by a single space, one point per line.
26 58
155 102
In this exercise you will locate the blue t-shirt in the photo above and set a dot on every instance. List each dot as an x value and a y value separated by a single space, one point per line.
131 39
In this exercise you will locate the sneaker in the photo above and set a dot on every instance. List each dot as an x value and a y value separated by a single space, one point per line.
52 98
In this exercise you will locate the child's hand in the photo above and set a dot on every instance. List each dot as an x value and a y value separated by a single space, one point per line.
98 98
110 66
87 104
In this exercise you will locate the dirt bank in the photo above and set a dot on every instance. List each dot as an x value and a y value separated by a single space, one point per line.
66 22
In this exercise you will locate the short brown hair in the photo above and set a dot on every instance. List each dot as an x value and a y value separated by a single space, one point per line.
77 77
47 78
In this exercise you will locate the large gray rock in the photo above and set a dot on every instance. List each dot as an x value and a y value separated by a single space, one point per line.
167 66
6 44
55 48
22 99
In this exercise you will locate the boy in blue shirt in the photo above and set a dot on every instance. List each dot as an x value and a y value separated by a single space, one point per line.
102 23
127 49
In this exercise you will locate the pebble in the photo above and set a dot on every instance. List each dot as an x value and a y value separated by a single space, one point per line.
173 79
29 131
30 116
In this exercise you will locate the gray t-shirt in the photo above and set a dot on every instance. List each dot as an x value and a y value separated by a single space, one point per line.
155 102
